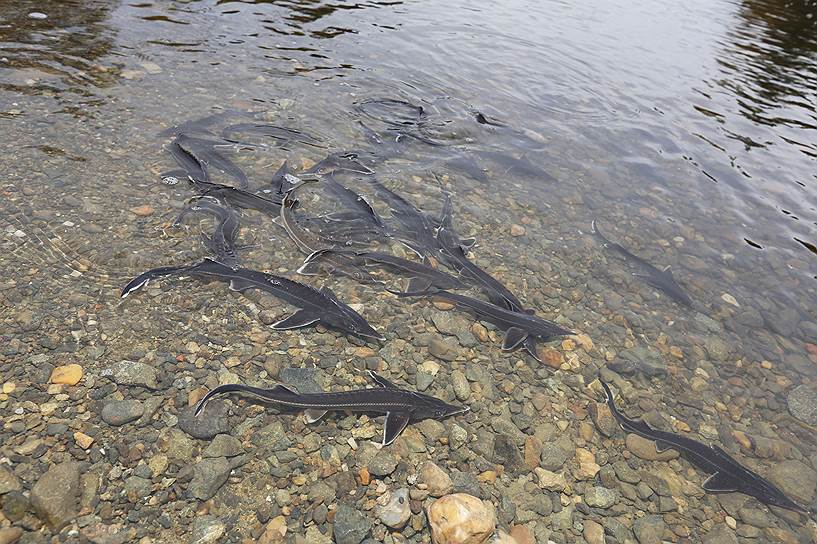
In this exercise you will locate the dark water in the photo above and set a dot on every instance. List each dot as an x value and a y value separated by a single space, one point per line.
688 129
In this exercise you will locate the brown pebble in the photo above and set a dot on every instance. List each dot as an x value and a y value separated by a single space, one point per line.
143 210
83 440
442 305
517 230
478 330
364 351
67 374
550 357
364 476
196 395
522 535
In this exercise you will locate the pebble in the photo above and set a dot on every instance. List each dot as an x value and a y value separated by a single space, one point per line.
9 535
133 373
517 230
351 526
729 299
802 401
460 384
120 412
145 209
550 480
460 519
593 533
37 15
223 445
66 374
274 532
588 468
436 480
600 497
83 440
9 481
649 529
797 480
206 428
207 530
55 496
208 477
382 464
393 509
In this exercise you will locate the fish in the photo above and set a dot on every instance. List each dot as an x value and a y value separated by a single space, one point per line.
355 201
483 119
238 197
401 406
190 166
203 125
663 280
222 241
402 118
465 163
204 151
284 179
306 242
417 230
727 475
314 306
518 326
282 134
514 166
348 161
422 276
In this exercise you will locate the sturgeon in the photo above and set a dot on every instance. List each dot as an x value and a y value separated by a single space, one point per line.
401 406
727 475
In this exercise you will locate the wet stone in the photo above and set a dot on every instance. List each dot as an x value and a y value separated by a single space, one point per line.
223 445
460 384
55 496
553 457
802 401
645 449
207 530
351 526
649 529
393 509
208 476
120 412
133 373
797 480
436 479
208 427
720 534
382 464
600 497
8 481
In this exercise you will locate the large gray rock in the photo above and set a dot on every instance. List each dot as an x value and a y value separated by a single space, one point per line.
8 481
205 428
207 530
350 526
208 477
55 496
133 373
393 509
720 534
802 402
797 480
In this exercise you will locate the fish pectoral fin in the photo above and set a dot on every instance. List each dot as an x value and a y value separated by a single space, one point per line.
530 346
381 381
299 319
720 482
467 243
240 285
309 268
514 337
395 423
314 414
416 285
661 446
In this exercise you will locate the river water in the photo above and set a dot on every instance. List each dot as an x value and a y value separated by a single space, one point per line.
686 129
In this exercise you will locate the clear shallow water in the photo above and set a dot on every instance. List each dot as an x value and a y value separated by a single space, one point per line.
687 129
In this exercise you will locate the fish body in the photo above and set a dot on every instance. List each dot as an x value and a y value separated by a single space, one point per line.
206 154
417 230
222 241
355 201
238 197
663 280
422 275
315 306
190 166
280 134
308 244
401 406
518 326
727 475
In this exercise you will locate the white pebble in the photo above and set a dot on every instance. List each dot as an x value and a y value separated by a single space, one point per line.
37 15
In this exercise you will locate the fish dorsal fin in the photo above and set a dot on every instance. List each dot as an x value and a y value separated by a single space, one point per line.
299 319
314 414
513 338
661 446
381 381
394 425
467 243
416 285
721 482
